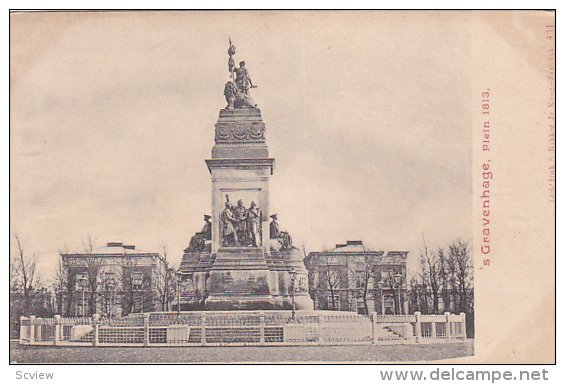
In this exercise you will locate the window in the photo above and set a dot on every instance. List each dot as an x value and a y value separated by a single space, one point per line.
81 280
385 275
361 306
389 305
137 281
360 279
332 279
109 280
333 302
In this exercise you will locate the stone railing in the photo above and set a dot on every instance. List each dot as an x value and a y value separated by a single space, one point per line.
419 328
242 328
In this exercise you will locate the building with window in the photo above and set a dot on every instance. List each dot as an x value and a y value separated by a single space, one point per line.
351 277
114 280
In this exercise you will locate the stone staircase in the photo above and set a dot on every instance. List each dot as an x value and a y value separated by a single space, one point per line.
389 334
88 338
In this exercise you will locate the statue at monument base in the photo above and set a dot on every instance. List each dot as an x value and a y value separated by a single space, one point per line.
246 278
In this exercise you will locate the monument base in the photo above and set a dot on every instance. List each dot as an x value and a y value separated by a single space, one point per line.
239 303
244 278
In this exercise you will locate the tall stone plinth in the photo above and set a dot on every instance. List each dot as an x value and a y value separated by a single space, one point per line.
241 267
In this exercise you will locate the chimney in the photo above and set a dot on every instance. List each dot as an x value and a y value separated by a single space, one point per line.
129 246
114 244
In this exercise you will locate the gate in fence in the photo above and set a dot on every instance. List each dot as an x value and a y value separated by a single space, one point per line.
242 328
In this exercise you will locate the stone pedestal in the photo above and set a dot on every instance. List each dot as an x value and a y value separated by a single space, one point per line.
247 271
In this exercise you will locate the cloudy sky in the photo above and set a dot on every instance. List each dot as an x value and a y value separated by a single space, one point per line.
112 115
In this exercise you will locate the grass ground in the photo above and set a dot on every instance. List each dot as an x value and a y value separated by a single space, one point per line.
193 355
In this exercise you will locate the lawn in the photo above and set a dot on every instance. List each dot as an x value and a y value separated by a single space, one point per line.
194 355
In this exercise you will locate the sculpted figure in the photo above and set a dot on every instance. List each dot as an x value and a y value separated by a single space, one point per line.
274 227
236 91
283 237
230 92
254 218
242 79
285 240
207 228
229 223
241 217
197 243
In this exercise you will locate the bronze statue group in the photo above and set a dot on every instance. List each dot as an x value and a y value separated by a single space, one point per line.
241 226
236 90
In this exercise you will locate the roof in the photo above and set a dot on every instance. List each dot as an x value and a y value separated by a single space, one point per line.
355 247
351 246
117 249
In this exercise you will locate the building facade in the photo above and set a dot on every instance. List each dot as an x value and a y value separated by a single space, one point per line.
351 277
114 280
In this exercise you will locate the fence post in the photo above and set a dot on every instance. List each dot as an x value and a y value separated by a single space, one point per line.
203 330
447 326
463 326
95 329
39 330
57 338
408 334
418 326
434 329
22 331
31 330
374 327
320 330
146 329
262 328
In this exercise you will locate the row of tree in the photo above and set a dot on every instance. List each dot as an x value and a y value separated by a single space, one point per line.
28 294
137 291
444 282
131 290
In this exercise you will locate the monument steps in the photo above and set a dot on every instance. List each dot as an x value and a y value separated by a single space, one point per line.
389 334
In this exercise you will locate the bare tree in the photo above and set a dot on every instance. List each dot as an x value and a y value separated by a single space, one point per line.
333 280
14 275
461 268
60 282
93 265
414 294
364 277
26 279
127 283
444 279
136 286
27 296
164 282
430 275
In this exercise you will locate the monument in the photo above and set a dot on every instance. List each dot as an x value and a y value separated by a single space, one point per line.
240 260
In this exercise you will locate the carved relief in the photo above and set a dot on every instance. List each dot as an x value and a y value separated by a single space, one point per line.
240 131
240 226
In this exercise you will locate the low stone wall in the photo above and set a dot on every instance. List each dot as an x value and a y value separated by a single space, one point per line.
242 328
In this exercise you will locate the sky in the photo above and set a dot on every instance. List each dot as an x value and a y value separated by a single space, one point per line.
368 116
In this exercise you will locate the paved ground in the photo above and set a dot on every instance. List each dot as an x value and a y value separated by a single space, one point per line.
187 355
